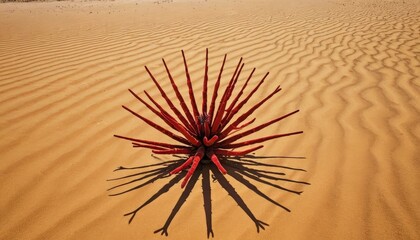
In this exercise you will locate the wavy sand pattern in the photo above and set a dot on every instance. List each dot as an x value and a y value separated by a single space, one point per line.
351 67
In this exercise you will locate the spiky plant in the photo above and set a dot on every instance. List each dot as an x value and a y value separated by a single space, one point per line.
212 133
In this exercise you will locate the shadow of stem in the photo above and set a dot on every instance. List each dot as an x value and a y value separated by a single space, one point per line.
242 169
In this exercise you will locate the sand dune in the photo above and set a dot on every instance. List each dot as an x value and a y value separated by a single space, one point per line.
351 67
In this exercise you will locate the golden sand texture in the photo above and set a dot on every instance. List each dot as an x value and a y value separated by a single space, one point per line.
351 67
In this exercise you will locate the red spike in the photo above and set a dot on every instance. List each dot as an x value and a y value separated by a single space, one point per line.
198 156
245 115
256 129
227 118
192 125
157 127
258 140
243 102
173 151
228 95
138 145
216 88
245 124
211 141
184 132
168 101
236 153
166 145
160 115
221 108
191 93
183 166
168 117
206 77
216 161
206 128
232 86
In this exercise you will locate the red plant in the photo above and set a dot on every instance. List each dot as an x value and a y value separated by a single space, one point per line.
209 134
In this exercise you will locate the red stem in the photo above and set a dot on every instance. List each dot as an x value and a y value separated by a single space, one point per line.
216 88
169 118
166 145
211 141
184 132
183 166
206 128
206 77
216 161
139 145
198 156
160 115
159 128
227 118
232 86
168 101
222 104
173 151
184 107
256 129
246 114
236 153
245 124
228 95
258 140
243 102
191 93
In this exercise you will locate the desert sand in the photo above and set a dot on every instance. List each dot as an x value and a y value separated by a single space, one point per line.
352 68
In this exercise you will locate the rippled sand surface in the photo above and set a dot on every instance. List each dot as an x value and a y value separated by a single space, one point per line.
351 67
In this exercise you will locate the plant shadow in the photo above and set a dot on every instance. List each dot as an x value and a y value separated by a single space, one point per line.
248 170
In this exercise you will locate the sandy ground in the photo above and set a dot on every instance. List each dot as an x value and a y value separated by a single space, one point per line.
351 67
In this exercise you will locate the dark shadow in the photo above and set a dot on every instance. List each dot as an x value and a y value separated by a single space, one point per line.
152 176
205 183
161 191
244 170
231 191
238 177
247 160
181 200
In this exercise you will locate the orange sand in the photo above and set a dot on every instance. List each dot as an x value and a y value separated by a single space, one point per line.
351 67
